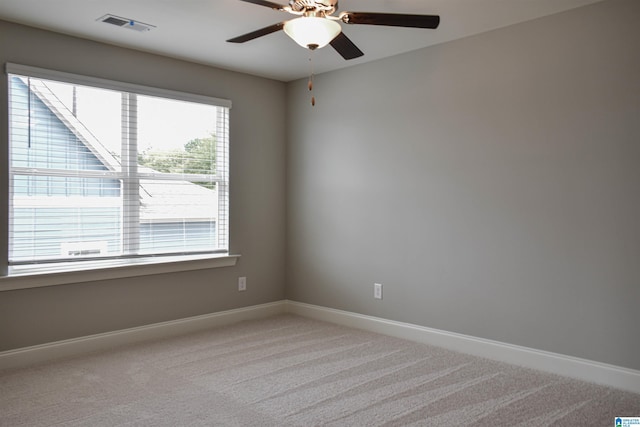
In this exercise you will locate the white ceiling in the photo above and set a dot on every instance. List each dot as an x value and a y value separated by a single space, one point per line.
196 30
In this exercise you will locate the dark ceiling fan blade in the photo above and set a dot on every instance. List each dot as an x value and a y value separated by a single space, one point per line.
345 47
391 19
268 4
257 33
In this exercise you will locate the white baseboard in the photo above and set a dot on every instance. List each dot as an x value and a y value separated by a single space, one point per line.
45 352
586 370
582 369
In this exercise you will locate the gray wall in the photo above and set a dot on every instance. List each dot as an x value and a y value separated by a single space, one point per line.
491 184
40 315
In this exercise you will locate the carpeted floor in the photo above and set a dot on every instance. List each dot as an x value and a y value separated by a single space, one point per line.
292 371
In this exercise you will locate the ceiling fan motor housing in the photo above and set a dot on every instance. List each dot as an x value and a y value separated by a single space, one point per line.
319 7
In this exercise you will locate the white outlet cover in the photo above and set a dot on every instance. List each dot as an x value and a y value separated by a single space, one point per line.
377 291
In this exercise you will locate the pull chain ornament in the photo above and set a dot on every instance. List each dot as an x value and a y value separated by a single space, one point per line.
310 84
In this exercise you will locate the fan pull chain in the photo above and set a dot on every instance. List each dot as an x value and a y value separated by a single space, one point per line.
310 84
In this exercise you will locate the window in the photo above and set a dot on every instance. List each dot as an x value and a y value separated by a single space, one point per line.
107 170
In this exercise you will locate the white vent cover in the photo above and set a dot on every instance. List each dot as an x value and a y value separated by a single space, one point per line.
131 24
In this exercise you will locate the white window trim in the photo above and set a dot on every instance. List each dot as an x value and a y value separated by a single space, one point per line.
43 275
42 73
37 276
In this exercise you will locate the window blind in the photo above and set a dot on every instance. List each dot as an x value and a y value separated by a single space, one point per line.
100 169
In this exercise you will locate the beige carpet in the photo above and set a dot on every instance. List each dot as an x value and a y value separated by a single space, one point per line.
292 371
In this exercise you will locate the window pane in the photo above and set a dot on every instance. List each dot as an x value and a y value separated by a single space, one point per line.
177 137
49 129
49 224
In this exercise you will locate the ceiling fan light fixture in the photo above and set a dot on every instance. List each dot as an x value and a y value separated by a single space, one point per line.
312 32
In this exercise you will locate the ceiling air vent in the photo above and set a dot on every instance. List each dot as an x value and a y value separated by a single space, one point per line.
131 24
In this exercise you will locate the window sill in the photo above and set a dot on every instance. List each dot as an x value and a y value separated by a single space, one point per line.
36 277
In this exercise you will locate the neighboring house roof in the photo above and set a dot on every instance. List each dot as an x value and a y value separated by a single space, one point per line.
51 101
160 200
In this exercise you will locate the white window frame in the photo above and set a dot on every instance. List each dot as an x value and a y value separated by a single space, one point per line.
35 275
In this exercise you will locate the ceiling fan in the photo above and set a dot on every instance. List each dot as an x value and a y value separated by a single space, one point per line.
316 26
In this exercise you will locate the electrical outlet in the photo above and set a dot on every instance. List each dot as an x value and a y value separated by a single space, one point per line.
377 291
242 284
